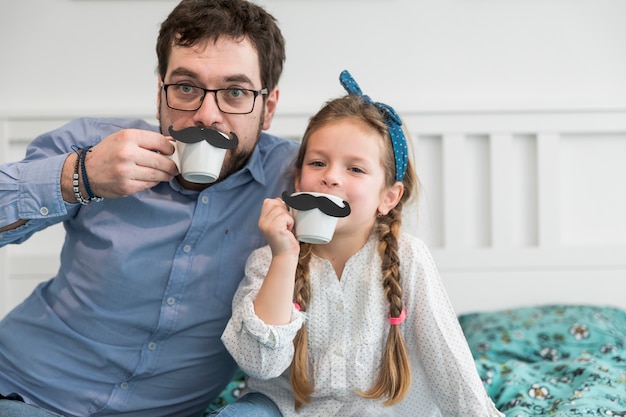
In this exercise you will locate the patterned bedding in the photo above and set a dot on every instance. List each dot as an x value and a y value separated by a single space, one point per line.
558 361
548 361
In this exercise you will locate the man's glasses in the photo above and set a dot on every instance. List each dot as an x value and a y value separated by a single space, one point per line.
187 97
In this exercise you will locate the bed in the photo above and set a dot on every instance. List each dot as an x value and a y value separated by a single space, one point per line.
545 361
553 360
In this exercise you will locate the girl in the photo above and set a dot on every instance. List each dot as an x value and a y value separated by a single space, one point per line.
365 328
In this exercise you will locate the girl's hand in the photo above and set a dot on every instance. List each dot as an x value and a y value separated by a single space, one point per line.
276 223
274 302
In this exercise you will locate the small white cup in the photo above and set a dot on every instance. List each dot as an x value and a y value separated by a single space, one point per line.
315 226
198 162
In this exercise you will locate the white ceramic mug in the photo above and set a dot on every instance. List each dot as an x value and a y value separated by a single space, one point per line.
315 226
198 162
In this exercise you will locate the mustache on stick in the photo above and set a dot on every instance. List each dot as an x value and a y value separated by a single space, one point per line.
308 202
194 134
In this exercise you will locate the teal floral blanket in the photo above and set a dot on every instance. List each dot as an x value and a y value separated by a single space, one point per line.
548 361
559 361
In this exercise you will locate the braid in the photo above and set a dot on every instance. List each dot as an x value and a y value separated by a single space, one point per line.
394 376
299 371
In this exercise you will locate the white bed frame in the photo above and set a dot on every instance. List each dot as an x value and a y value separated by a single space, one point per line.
518 208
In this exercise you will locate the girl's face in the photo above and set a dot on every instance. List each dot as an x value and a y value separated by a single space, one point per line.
344 158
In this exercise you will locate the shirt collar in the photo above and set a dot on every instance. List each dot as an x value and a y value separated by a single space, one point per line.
254 166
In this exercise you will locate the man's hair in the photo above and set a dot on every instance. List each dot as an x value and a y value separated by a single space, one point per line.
195 20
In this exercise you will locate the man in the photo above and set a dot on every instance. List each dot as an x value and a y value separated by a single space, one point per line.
131 324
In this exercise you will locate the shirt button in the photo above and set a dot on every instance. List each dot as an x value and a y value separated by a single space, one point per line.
151 345
124 385
171 301
205 200
338 353
186 248
43 211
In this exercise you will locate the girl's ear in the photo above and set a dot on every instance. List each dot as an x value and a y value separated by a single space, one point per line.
390 197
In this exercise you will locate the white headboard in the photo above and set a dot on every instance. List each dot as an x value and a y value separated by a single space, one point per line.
518 208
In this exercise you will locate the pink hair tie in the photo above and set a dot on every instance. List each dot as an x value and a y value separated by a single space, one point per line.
394 321
297 306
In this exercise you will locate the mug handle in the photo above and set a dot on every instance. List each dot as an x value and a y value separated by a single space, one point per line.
175 156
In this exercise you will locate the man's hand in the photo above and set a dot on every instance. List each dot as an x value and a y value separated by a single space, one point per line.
122 164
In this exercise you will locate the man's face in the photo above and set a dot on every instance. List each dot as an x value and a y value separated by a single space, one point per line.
212 65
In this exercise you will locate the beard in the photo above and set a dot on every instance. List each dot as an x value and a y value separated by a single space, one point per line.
238 157
235 159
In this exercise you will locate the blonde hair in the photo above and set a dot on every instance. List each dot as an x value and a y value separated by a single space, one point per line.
394 377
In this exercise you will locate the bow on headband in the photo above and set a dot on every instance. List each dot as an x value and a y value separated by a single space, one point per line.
394 124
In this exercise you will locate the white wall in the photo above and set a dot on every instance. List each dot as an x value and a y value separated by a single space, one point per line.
94 56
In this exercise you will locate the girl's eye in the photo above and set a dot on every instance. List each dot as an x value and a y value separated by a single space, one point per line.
316 163
357 170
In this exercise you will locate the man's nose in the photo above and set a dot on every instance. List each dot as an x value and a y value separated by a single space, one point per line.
208 113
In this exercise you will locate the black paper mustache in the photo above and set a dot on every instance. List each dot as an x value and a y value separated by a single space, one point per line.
309 202
194 134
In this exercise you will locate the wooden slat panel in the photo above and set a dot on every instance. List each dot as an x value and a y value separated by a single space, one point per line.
548 189
472 291
532 259
500 177
452 169
544 265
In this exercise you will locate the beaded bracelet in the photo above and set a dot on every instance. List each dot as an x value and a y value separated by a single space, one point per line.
90 194
79 197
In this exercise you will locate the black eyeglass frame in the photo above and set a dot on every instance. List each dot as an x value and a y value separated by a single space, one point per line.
256 93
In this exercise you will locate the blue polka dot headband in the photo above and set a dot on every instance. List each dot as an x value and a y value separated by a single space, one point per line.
394 124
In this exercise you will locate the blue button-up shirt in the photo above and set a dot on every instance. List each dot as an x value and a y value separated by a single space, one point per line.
131 323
